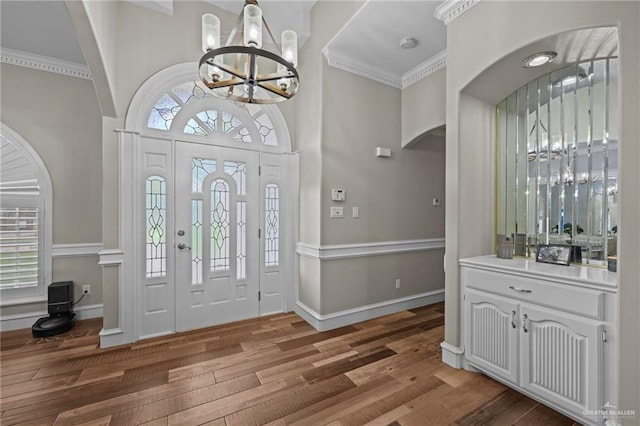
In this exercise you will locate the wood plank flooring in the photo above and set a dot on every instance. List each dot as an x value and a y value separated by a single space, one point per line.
275 370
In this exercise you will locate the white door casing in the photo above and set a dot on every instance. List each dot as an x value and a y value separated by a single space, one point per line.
150 305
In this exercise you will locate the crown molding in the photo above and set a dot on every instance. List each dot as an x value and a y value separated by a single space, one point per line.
451 9
361 70
44 63
431 65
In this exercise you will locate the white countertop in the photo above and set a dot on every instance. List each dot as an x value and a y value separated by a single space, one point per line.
575 274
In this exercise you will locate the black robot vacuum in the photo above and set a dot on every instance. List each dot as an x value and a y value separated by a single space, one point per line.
60 307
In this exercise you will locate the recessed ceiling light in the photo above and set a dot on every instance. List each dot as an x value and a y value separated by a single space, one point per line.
408 43
538 59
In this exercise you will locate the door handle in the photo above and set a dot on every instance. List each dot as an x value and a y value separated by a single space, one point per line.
513 319
181 246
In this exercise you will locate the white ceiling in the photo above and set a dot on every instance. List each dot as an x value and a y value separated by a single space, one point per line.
39 27
369 41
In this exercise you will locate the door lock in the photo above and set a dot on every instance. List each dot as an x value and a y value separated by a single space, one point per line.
181 246
181 232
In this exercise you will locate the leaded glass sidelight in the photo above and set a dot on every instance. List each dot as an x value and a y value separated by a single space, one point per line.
241 245
220 221
272 225
196 242
156 227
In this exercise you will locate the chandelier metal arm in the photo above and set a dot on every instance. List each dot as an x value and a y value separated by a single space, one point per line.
273 89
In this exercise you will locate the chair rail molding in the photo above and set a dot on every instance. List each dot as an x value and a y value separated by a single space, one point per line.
451 9
76 250
345 251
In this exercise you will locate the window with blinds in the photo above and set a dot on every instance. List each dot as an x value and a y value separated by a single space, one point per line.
19 247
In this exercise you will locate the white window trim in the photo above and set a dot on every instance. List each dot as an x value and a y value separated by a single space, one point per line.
165 80
10 297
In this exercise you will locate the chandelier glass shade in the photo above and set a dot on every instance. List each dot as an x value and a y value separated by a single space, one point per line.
243 70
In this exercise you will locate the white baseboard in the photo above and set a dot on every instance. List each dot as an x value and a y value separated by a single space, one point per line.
20 321
363 313
452 355
113 337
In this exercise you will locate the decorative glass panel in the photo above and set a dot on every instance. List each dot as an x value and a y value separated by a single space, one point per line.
194 128
272 225
265 128
210 119
19 247
241 246
163 113
196 242
200 168
238 171
156 213
190 90
220 225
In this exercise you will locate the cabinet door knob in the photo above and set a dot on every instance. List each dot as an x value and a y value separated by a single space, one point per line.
521 290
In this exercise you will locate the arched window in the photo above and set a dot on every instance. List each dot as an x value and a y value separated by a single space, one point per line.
174 101
243 123
25 221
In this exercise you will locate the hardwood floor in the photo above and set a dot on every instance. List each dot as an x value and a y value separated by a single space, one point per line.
274 370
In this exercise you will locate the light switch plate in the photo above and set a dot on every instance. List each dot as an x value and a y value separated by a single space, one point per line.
337 212
355 212
338 194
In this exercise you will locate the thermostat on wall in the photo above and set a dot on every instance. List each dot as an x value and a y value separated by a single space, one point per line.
337 194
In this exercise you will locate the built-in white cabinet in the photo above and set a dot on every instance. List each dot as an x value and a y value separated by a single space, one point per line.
542 331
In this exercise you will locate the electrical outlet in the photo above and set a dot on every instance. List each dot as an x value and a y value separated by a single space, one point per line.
398 283
337 212
86 289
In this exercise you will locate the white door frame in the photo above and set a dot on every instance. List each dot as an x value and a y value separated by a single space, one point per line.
125 257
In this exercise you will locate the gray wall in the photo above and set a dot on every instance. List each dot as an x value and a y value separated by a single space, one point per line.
59 116
423 106
341 119
513 26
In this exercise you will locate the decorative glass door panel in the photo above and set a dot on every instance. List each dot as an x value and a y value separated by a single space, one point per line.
217 209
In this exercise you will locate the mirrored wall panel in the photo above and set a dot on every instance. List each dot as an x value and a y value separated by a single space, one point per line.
557 177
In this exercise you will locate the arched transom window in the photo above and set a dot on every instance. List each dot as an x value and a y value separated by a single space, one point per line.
191 109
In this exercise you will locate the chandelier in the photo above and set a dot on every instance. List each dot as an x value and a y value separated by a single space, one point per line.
243 70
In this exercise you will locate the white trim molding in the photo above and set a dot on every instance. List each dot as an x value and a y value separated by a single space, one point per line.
45 63
20 321
363 313
362 70
428 67
76 250
452 355
451 9
345 251
111 257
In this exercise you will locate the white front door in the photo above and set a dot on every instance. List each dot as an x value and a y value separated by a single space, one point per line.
216 229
